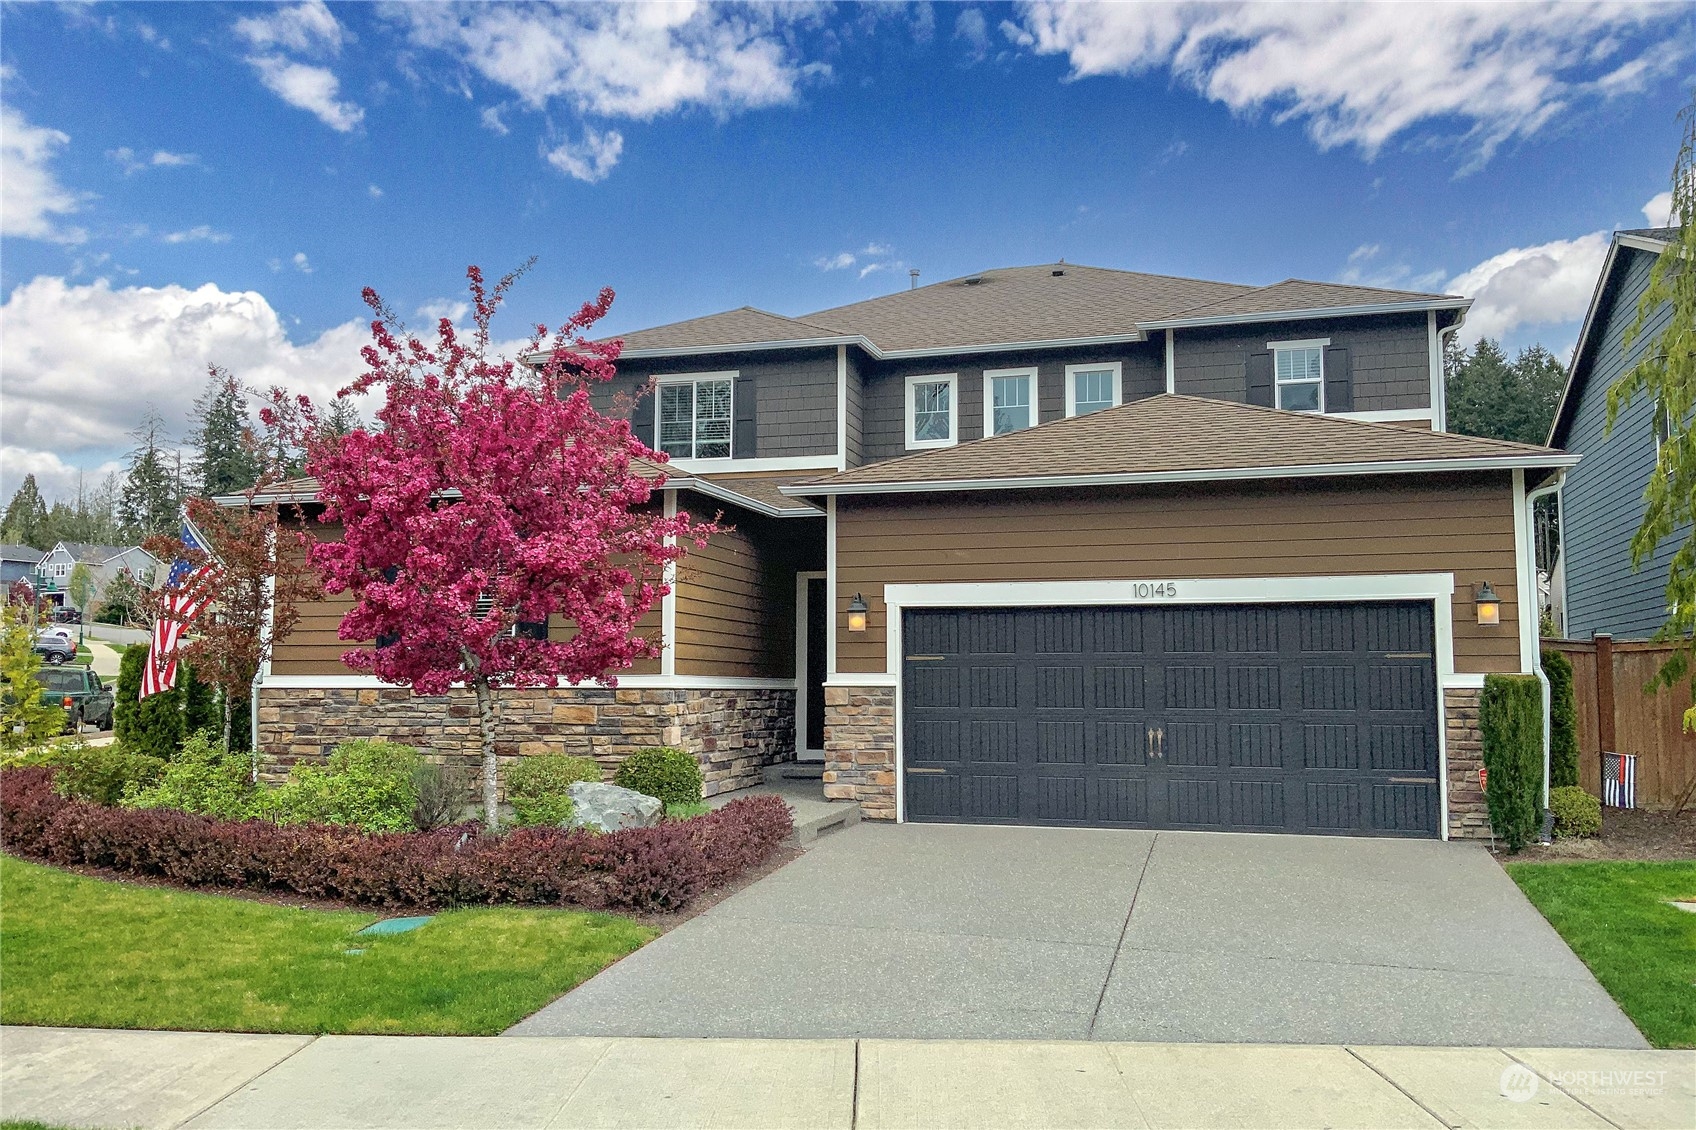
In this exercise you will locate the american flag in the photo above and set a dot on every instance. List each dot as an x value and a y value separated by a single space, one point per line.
188 590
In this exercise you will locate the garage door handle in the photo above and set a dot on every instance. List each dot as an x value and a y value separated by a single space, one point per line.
1413 780
1407 655
913 770
926 658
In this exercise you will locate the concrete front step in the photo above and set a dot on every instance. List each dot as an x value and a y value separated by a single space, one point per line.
814 815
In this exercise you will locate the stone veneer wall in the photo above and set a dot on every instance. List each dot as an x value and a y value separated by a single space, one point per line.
1469 816
859 748
733 733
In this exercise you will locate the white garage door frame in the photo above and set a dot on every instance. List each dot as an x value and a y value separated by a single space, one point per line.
1437 588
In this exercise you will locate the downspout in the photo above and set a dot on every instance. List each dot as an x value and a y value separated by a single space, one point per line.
1531 498
1440 386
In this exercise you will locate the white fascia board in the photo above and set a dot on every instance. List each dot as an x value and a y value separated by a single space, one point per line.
1214 474
726 494
734 347
1641 242
733 465
1413 307
1387 415
625 682
865 343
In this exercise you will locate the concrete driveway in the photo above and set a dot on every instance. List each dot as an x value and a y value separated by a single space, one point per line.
938 931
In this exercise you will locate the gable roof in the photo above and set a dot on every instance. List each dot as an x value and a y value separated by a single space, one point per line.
1650 240
91 554
1010 307
1176 438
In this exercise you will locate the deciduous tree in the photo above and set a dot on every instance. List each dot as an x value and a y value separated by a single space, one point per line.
24 719
489 496
1666 372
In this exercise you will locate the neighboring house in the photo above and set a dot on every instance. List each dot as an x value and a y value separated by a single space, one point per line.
17 563
1596 588
103 561
1052 545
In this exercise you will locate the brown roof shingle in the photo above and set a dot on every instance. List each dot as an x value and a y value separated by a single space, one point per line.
1179 435
1302 294
733 327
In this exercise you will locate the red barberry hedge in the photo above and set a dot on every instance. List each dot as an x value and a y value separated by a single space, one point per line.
656 869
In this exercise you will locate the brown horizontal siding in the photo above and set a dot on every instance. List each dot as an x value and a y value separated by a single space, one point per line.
1448 524
736 604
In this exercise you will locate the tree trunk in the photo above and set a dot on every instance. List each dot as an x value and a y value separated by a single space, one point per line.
486 728
225 695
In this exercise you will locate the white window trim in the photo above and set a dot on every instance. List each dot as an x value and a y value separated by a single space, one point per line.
690 379
1319 343
1072 372
952 380
989 376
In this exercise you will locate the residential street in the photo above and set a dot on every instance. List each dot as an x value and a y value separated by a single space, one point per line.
928 931
71 1077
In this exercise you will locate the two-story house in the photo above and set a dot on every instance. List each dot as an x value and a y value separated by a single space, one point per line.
1054 545
1596 588
103 562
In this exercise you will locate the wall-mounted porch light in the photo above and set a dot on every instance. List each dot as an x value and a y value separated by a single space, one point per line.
857 614
1488 604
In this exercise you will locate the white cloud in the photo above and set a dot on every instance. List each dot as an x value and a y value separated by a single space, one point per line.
622 60
1360 74
1546 285
374 192
56 478
132 162
971 28
30 195
591 159
200 233
301 263
1364 252
493 122
310 88
451 309
112 352
1659 209
306 28
841 261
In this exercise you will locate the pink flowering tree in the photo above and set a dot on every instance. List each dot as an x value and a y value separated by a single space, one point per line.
489 497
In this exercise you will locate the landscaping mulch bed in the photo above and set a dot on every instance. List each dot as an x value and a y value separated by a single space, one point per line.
1626 834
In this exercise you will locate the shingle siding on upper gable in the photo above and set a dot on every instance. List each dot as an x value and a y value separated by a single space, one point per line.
855 411
1390 356
795 392
1143 366
1602 502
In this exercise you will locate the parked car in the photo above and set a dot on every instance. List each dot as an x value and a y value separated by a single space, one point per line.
55 649
67 616
80 692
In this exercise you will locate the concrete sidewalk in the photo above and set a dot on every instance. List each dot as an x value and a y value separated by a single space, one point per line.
87 1078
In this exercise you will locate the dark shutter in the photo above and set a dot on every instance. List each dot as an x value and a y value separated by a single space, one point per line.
1339 380
1259 372
746 404
642 416
389 574
531 629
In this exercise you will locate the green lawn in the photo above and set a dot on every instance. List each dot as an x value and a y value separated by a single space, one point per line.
84 952
1616 919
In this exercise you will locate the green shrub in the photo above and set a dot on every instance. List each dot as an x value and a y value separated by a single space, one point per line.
200 778
667 774
1577 813
99 773
371 785
1563 721
1510 718
686 811
539 787
158 724
443 793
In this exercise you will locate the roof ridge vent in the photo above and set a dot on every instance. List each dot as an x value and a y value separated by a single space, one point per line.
972 280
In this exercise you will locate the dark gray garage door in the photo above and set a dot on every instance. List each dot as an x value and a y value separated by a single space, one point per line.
1274 718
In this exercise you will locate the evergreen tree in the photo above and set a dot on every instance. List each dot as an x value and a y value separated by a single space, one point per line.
223 438
123 602
341 419
26 518
1491 396
152 498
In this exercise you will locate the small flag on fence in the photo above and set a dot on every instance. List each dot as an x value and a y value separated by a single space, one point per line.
1619 780
188 590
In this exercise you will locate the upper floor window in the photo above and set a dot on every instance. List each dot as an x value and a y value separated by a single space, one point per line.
694 416
1009 400
1298 369
932 411
1090 388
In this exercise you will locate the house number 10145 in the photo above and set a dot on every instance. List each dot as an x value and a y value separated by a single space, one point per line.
1142 590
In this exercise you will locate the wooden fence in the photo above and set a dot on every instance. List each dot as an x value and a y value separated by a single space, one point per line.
1614 715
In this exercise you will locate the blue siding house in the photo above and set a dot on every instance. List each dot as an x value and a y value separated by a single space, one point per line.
1596 589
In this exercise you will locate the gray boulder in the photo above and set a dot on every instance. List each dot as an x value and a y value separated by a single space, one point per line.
607 808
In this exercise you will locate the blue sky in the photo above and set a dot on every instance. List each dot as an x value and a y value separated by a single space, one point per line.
194 183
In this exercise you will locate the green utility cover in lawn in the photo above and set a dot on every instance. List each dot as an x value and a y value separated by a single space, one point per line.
396 925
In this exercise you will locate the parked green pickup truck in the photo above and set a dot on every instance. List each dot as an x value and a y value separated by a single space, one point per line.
79 690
